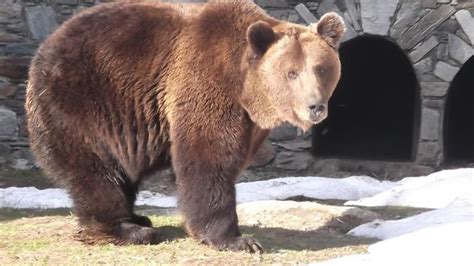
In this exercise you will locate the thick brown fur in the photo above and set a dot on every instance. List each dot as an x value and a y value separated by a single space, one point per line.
124 89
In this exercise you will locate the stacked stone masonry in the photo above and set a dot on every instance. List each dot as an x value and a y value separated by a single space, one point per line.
438 37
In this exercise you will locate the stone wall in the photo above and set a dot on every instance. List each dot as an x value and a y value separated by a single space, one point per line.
437 36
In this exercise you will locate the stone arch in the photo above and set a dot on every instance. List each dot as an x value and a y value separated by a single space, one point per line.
375 108
459 117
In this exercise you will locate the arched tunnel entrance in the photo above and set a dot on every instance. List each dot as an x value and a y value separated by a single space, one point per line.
375 106
459 116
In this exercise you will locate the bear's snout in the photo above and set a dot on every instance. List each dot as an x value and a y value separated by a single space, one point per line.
317 112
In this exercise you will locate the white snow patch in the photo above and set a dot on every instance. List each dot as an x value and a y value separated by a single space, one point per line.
31 197
459 211
446 244
350 188
437 190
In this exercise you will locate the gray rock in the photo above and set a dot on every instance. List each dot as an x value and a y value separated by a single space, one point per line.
67 2
305 14
279 14
8 37
293 161
424 66
434 89
436 104
283 132
408 12
466 21
429 153
442 52
450 25
7 89
420 51
313 6
353 14
445 71
41 21
425 26
265 154
8 122
21 48
295 145
429 3
302 216
326 6
443 1
272 3
430 124
458 49
4 149
376 15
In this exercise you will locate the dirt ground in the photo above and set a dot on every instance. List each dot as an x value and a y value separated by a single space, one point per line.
47 237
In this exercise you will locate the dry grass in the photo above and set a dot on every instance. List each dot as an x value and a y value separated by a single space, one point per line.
49 240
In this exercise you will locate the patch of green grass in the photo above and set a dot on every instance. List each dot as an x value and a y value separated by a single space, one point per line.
49 240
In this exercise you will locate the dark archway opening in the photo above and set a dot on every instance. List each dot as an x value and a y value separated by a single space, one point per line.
375 107
459 116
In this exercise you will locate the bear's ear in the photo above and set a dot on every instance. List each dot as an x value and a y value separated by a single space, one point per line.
331 27
260 36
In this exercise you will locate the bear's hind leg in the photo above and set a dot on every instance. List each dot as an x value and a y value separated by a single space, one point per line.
103 200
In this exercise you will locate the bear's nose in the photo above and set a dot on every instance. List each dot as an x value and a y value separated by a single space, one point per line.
317 110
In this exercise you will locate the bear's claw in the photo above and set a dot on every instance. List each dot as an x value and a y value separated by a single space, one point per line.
247 244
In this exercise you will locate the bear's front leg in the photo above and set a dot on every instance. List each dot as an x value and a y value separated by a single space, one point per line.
206 172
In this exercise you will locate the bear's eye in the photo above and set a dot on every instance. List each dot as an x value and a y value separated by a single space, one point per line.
292 74
321 70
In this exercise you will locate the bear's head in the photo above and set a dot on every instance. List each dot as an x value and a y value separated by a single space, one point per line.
291 71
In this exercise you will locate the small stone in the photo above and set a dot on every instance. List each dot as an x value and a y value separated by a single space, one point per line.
295 145
428 153
293 161
305 14
436 104
450 25
313 6
430 124
8 122
443 1
272 3
7 90
458 49
424 66
4 149
442 52
67 2
353 14
283 132
429 3
21 164
8 37
445 71
434 89
279 14
420 51
41 21
408 12
14 67
466 21
376 15
21 48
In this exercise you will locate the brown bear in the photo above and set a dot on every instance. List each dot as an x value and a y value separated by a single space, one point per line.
123 90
